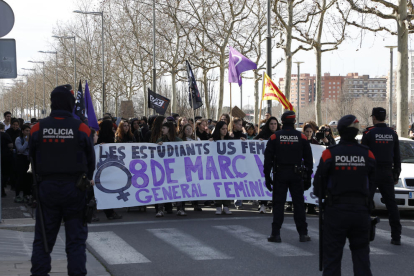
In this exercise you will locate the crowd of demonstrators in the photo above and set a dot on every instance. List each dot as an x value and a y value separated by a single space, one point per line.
15 162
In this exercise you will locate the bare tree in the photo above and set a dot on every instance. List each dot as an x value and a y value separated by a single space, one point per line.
371 16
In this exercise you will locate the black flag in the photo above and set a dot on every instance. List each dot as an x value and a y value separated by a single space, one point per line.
157 102
193 95
80 112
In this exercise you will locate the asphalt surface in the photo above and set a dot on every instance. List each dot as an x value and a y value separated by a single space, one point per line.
205 244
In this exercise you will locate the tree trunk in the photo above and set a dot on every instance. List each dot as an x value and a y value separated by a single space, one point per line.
174 91
205 90
402 71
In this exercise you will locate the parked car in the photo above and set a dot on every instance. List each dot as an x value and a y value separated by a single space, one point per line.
404 190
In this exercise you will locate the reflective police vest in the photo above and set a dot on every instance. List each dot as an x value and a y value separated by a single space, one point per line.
59 150
349 170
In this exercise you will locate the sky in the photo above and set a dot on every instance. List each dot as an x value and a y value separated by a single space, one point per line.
35 20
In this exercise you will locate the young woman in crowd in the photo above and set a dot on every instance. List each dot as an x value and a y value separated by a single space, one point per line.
251 131
201 130
22 164
136 130
106 136
221 133
328 140
271 126
156 129
308 131
188 134
169 135
181 122
123 133
238 129
225 118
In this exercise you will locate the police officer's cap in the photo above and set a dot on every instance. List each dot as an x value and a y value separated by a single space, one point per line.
62 98
288 117
379 113
348 121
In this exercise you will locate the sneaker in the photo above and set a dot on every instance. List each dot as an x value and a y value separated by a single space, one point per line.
159 214
262 209
181 213
218 211
198 209
226 211
255 203
18 199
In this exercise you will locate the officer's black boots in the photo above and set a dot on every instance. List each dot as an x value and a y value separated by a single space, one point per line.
304 238
395 242
275 238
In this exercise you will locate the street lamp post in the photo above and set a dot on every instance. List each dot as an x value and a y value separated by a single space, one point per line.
74 54
298 95
103 55
27 93
34 98
44 94
391 76
269 51
56 62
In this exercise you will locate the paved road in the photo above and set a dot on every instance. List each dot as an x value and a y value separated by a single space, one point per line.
205 244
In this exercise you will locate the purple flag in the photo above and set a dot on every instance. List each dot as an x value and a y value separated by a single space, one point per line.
90 111
238 64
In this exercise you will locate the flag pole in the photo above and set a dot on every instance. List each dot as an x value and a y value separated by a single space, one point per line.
261 98
231 113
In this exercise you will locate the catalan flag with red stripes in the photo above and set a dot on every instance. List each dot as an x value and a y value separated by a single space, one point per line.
272 92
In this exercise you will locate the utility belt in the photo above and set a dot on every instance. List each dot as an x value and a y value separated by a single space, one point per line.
332 200
297 169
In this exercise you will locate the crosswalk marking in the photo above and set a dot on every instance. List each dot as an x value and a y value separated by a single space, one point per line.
405 240
113 249
314 233
409 227
256 239
188 245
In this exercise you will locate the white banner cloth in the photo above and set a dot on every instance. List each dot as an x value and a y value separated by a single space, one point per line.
137 174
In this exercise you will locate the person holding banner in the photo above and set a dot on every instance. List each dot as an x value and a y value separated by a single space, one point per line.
169 135
271 126
283 155
123 133
188 134
221 133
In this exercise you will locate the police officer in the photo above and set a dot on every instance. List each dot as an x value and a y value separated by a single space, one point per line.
341 180
284 153
62 151
383 142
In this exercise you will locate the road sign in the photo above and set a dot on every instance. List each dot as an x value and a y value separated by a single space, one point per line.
6 18
8 65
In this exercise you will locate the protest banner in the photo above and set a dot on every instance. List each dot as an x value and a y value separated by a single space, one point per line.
137 174
127 110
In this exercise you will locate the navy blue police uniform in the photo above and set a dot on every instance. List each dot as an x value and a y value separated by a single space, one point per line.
383 142
62 150
283 154
343 179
